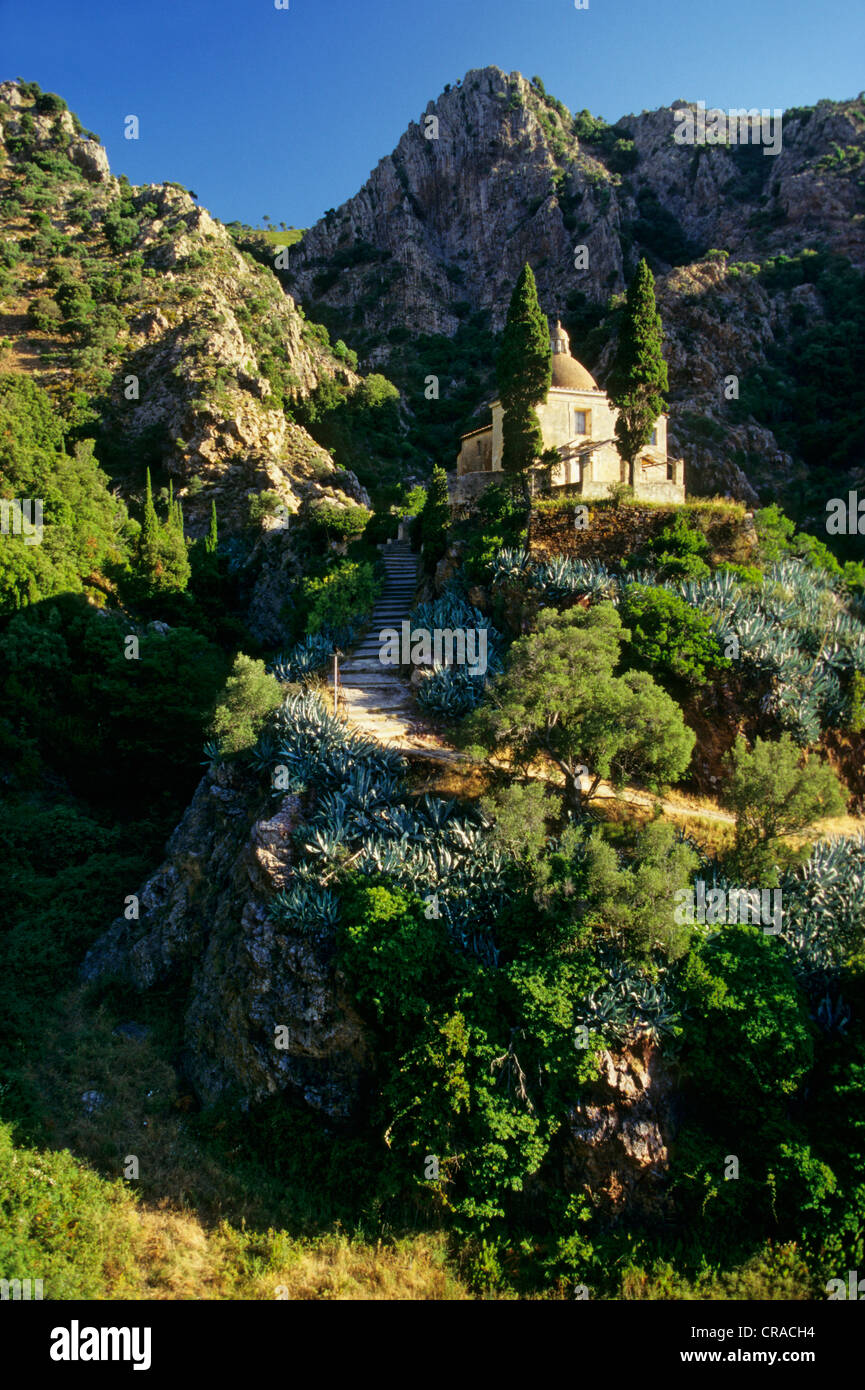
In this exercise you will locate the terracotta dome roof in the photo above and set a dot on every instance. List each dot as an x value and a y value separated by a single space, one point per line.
568 373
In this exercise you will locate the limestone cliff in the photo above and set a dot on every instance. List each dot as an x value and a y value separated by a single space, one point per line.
497 173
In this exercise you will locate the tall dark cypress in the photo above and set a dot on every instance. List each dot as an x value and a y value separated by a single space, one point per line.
638 382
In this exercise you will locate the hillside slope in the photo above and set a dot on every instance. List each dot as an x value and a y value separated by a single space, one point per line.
155 335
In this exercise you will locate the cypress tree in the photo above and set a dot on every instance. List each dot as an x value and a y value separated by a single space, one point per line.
212 540
638 380
525 373
163 562
173 549
148 540
435 517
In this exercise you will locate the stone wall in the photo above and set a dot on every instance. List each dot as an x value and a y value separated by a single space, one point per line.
614 532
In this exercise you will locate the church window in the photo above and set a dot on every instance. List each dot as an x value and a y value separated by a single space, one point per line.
580 422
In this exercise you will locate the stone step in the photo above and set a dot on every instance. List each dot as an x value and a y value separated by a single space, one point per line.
365 663
379 701
355 676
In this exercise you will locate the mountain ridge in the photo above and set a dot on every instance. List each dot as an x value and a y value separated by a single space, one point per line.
442 227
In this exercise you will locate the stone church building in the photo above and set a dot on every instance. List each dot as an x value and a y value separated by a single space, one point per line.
579 421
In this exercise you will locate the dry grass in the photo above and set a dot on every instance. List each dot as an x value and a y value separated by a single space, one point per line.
180 1259
190 1228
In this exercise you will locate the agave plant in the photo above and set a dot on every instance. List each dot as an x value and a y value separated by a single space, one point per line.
627 1005
306 659
833 1014
364 813
211 752
305 907
824 911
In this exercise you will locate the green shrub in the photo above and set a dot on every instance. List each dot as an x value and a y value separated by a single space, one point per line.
44 314
338 523
667 634
341 597
746 574
679 549
774 794
49 104
749 1043
250 696
856 716
261 505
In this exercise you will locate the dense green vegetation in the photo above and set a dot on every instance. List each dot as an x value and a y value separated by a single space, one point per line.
494 942
86 530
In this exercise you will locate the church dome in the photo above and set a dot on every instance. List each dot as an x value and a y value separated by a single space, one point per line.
568 373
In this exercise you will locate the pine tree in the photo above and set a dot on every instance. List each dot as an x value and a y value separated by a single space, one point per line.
212 539
638 380
525 374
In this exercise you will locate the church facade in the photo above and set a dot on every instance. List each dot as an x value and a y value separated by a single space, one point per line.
578 420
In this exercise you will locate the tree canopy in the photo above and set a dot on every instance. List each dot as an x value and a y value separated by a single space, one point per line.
560 698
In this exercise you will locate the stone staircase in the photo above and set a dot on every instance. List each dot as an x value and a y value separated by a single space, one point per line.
373 696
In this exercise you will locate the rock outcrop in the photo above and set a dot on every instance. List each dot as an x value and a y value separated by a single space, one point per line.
202 355
265 1009
616 1145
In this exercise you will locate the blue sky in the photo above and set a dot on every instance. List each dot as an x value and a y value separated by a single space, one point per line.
285 112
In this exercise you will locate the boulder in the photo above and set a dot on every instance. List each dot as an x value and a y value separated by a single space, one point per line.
91 159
